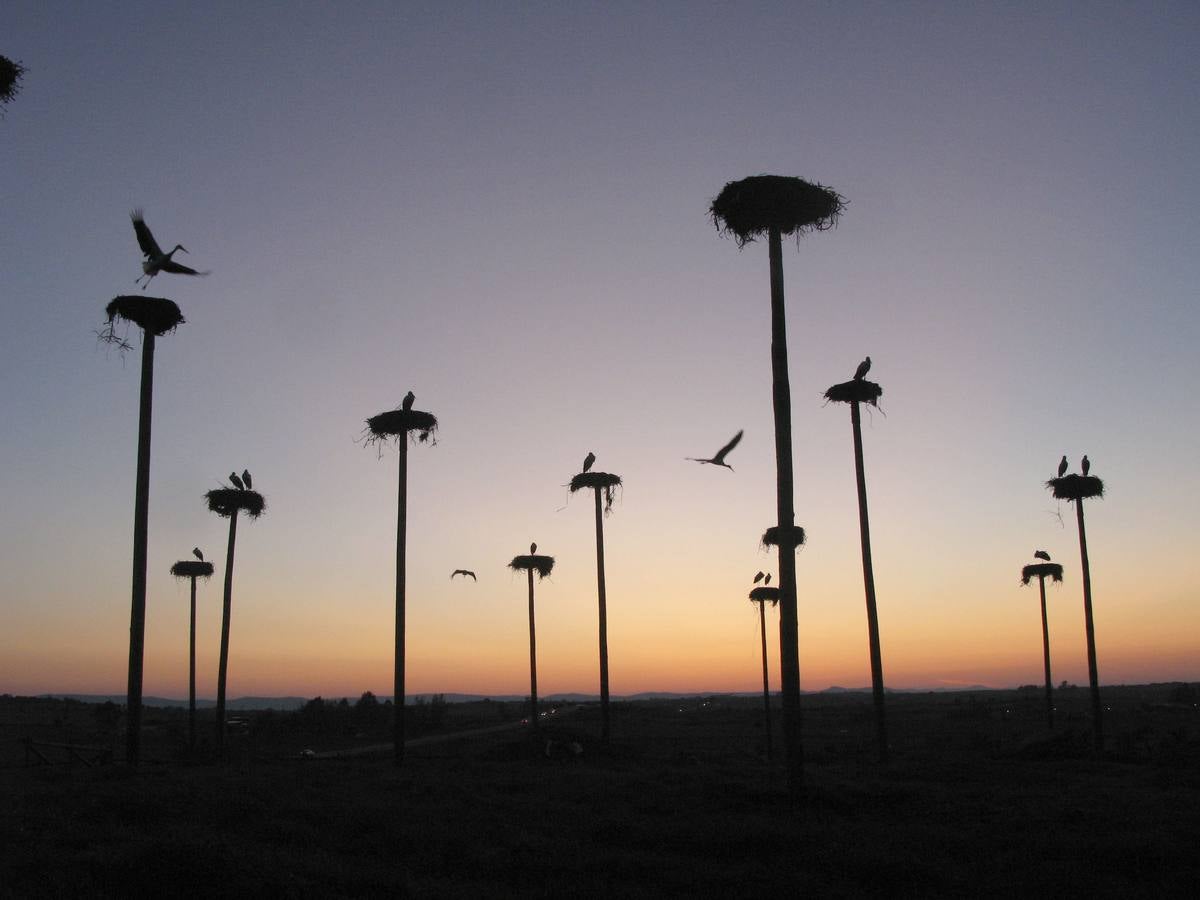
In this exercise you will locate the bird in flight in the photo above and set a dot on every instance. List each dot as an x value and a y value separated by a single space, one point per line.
758 577
156 260
246 479
1086 465
1041 554
237 482
718 458
533 548
464 573
196 553
588 460
863 368
408 401
1062 466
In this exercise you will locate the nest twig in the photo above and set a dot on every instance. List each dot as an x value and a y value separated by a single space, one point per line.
603 481
396 423
1076 487
753 206
1053 571
771 536
860 391
191 568
227 501
543 565
765 594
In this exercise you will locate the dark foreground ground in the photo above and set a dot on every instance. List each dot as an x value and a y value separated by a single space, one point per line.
978 800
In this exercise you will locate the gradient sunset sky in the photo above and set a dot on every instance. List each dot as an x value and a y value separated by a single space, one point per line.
502 206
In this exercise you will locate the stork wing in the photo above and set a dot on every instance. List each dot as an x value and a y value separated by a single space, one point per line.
720 455
145 239
179 269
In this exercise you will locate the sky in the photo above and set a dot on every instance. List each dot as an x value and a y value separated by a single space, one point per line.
503 207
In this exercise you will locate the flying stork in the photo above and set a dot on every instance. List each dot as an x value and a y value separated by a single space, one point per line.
408 401
1086 465
758 577
1041 554
237 482
863 368
719 458
1062 466
464 573
196 553
588 460
246 479
156 260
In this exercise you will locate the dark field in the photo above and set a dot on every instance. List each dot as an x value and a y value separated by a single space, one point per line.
978 800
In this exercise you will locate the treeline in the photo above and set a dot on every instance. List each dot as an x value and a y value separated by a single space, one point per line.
367 716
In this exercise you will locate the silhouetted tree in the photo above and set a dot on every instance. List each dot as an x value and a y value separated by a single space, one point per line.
1077 488
1042 571
773 205
192 569
762 595
602 483
227 503
543 565
155 316
855 392
400 424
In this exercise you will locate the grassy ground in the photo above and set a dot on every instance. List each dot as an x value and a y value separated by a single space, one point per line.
977 801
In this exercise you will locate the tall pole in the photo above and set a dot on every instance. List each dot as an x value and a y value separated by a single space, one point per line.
789 648
533 698
141 511
1093 675
192 674
223 664
864 530
604 721
1046 654
762 630
401 521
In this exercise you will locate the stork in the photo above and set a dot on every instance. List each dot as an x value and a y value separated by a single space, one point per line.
532 549
1062 466
408 401
767 580
863 368
237 482
464 573
1086 465
246 480
196 553
1041 554
156 260
718 458
588 460
758 577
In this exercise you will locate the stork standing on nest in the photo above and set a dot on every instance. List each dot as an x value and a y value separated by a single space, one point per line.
863 368
1041 554
588 461
1062 466
156 260
236 482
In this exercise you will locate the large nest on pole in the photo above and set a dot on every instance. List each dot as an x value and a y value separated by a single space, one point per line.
543 565
860 391
191 568
1053 571
1076 487
765 594
227 501
395 423
771 536
156 315
601 481
10 79
753 206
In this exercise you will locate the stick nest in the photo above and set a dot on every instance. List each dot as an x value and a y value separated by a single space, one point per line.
861 391
192 568
771 536
543 565
228 501
765 594
601 481
155 315
10 79
1076 487
753 206
398 422
1053 571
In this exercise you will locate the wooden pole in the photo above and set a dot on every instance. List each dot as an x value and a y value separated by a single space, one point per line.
604 715
533 696
141 510
1046 654
1089 625
789 638
864 530
192 674
401 537
762 622
226 611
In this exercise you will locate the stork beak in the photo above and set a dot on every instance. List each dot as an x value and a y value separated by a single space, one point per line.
183 248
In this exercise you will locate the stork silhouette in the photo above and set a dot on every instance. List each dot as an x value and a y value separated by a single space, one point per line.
246 480
1041 554
1086 465
408 401
718 459
588 460
863 368
237 482
758 577
1062 466
464 573
196 553
156 260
